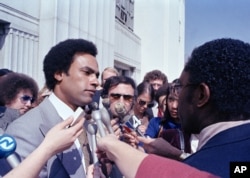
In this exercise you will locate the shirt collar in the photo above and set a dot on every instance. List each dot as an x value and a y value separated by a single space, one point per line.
210 131
63 110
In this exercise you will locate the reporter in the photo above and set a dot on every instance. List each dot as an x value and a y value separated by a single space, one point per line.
57 139
140 164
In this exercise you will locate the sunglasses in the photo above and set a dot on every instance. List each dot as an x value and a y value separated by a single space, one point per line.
26 98
117 96
143 103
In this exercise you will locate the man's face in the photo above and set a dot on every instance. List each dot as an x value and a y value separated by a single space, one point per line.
78 86
122 93
107 74
156 84
186 109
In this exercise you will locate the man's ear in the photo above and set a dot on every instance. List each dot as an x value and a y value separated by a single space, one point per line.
58 76
204 94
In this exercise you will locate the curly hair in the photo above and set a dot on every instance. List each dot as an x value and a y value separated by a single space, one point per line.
13 83
224 65
61 56
155 75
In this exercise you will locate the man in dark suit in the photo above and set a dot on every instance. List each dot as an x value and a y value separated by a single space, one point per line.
71 73
214 103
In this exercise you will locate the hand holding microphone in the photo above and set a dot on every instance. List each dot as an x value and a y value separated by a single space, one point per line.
128 122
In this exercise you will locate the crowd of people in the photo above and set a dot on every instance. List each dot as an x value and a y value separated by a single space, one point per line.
189 127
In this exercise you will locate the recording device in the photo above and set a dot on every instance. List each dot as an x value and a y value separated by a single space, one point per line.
120 110
96 115
105 116
92 130
90 107
7 149
128 122
131 123
105 102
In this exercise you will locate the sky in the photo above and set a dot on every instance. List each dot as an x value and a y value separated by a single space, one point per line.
210 19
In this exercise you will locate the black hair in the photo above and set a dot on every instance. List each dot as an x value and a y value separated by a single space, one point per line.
61 56
145 87
161 92
4 71
114 81
167 116
224 65
13 83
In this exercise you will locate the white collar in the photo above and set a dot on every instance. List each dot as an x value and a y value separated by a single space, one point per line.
210 131
63 110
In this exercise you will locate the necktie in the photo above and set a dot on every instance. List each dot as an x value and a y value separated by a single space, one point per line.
83 139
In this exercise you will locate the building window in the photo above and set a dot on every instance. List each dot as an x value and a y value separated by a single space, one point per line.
125 13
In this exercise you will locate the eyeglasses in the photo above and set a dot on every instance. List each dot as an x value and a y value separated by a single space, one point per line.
26 98
117 96
143 103
177 88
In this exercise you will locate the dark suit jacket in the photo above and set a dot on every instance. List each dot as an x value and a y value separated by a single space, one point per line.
230 145
29 131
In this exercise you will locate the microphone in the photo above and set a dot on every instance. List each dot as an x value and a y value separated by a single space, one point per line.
105 102
92 129
120 110
128 122
96 115
7 149
131 123
91 107
106 120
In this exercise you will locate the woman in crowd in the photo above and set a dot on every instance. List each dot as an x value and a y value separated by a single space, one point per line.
169 126
17 92
143 101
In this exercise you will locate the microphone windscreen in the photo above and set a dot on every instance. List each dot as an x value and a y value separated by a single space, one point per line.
120 109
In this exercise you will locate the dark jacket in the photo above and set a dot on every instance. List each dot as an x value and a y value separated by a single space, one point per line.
231 145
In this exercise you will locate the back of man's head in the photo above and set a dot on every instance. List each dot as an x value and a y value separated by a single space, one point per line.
224 65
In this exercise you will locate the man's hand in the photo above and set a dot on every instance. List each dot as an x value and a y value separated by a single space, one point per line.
116 127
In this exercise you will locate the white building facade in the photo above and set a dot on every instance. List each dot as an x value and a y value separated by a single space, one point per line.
29 28
161 26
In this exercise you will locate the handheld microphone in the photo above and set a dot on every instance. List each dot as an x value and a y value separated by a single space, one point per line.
92 129
91 107
7 149
120 110
105 102
131 123
96 115
128 122
106 120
